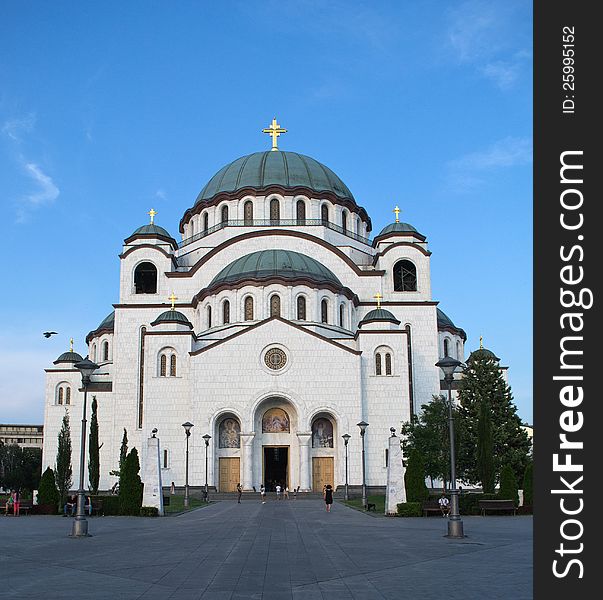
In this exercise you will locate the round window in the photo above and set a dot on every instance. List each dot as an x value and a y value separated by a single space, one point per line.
275 359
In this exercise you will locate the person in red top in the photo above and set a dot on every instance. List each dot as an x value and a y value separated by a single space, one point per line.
16 502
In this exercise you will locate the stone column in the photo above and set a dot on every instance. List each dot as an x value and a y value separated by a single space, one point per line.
396 490
152 491
247 442
305 482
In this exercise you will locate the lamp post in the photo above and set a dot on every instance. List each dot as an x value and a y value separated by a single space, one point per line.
455 523
363 425
80 525
187 429
346 438
206 437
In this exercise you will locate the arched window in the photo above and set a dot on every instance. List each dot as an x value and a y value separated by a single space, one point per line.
60 398
209 317
324 311
459 352
191 230
93 353
166 462
322 433
446 348
378 364
249 308
173 365
324 213
275 210
248 212
341 314
301 308
405 276
224 214
344 220
68 395
275 306
163 366
105 350
388 363
205 222
145 278
301 210
226 312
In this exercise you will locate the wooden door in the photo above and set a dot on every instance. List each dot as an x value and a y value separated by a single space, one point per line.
322 472
229 474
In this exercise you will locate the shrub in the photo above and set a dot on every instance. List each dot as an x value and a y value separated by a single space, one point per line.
48 493
528 485
508 485
149 511
410 509
110 504
44 509
469 504
130 486
414 478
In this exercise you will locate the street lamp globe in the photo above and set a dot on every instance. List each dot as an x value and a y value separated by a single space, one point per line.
363 425
86 367
187 427
346 438
448 365
207 437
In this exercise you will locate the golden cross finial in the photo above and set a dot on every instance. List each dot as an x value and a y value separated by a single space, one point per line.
397 211
481 342
71 345
378 297
274 131
173 299
152 214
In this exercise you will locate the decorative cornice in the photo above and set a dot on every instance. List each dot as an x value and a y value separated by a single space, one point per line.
454 330
239 194
380 331
414 234
396 245
408 303
152 236
152 247
273 232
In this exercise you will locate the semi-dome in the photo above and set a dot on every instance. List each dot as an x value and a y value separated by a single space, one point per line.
445 324
269 264
264 169
379 314
172 316
68 357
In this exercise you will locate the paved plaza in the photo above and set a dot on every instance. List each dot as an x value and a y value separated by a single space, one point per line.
280 550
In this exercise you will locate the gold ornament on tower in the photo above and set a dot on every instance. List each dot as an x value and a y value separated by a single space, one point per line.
274 131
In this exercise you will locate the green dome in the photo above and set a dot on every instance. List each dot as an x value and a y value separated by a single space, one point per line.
267 264
482 354
106 325
69 357
151 229
397 228
172 316
445 324
263 169
379 314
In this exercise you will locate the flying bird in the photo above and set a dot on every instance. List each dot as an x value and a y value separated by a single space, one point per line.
47 334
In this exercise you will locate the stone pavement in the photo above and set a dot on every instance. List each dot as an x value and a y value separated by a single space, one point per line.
280 550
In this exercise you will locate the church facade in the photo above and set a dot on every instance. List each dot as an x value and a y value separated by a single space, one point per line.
275 325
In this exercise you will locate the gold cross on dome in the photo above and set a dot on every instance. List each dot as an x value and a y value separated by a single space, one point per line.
481 342
173 299
378 297
71 345
397 211
274 131
152 214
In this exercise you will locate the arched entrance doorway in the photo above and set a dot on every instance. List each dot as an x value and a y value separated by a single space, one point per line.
323 451
228 437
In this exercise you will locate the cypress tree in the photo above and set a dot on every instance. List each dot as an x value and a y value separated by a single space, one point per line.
63 471
414 478
94 460
508 485
48 493
123 453
528 489
485 460
130 486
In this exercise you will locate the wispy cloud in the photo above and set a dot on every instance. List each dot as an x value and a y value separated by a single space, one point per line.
468 172
14 128
480 35
160 193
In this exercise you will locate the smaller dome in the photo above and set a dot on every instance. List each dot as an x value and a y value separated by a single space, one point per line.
398 228
445 324
172 316
68 357
152 229
482 354
379 314
106 326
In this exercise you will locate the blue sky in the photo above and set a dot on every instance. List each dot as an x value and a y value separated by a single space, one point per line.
109 109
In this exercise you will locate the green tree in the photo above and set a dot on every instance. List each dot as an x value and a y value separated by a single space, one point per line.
528 484
130 485
20 468
63 472
508 485
485 459
94 460
123 453
429 434
483 384
47 492
414 478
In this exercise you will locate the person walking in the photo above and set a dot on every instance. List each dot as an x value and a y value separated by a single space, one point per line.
240 492
286 493
278 491
328 497
263 493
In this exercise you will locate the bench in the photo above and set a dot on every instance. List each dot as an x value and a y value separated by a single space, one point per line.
497 506
431 506
24 507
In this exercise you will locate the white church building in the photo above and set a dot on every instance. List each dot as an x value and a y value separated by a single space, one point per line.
275 326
